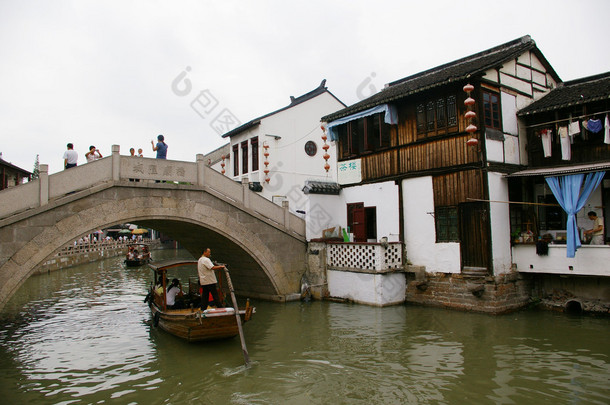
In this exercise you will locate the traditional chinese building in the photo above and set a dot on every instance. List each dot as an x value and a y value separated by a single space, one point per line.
568 138
412 171
282 156
12 175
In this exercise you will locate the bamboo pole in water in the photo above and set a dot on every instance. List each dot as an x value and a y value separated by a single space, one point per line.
238 318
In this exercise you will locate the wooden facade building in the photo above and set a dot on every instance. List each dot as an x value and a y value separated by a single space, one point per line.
421 144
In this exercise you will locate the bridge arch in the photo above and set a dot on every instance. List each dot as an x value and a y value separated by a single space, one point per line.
266 259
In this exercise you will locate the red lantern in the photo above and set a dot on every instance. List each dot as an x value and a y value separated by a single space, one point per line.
472 142
468 88
325 147
471 128
469 101
470 114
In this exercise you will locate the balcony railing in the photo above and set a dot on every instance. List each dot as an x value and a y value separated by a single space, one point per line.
373 257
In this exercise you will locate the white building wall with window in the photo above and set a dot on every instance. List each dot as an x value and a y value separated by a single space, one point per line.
286 133
420 232
384 197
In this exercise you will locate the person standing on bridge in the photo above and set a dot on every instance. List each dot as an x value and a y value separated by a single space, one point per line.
207 279
70 157
160 147
93 154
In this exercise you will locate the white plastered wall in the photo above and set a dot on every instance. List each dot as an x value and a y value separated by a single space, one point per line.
500 223
323 211
286 133
420 232
383 196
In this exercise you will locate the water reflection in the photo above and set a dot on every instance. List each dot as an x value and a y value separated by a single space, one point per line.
83 335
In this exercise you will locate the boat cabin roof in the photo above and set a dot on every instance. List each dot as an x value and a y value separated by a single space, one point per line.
168 264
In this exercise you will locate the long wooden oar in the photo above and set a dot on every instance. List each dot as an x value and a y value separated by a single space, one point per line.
241 332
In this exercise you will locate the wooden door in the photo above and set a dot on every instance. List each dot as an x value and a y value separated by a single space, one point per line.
359 224
474 234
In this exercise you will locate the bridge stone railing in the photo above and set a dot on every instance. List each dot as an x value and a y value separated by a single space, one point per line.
142 172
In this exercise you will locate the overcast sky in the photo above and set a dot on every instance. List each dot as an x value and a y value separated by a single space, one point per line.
108 72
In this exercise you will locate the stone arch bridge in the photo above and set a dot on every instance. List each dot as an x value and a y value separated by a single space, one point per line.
263 243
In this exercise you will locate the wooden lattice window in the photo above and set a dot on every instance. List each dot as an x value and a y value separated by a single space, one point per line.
446 220
438 114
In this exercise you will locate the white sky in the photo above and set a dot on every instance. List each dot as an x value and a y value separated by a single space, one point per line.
101 72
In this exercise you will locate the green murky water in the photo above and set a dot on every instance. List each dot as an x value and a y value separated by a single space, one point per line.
83 336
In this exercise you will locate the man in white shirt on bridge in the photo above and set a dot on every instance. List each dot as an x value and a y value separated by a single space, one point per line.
70 157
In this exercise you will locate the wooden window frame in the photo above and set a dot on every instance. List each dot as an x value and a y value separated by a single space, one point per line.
236 160
446 218
244 157
375 136
436 115
488 110
254 153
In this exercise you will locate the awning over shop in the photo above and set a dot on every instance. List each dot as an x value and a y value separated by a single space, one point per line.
562 170
391 117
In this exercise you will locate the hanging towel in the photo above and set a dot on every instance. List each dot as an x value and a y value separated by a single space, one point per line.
594 126
564 140
584 133
547 141
607 130
574 128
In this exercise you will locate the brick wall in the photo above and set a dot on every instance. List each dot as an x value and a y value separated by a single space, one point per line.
494 295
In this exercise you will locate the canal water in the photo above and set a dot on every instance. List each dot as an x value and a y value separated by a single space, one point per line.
83 335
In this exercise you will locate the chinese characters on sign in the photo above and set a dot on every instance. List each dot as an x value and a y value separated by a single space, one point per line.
348 172
204 104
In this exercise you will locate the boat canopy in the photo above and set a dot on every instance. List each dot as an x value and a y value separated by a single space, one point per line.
168 264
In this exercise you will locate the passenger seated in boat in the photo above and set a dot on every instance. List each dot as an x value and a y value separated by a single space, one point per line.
159 286
174 290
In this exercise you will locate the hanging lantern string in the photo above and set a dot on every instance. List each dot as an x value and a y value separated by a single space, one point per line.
325 147
266 162
470 115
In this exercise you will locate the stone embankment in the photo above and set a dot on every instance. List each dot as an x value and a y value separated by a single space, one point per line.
89 252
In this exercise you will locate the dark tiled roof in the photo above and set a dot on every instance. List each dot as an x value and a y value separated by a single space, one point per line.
293 101
13 167
321 187
456 71
573 92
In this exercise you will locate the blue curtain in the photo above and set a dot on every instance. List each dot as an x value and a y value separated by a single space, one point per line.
567 191
390 117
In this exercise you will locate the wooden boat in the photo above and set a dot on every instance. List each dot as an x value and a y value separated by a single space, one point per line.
137 255
191 323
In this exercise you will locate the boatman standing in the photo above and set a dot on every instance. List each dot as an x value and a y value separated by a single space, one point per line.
207 279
